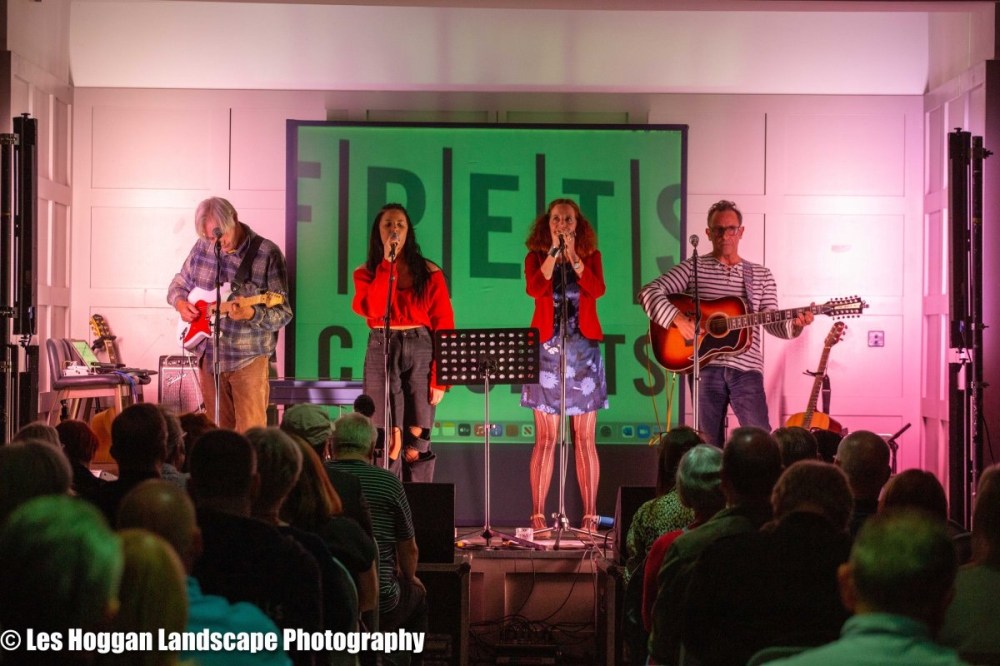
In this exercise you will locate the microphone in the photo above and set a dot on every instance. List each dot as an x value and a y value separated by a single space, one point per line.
693 239
562 243
394 241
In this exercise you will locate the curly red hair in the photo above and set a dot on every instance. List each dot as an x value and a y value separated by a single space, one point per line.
540 237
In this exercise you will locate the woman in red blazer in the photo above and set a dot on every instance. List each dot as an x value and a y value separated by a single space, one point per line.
562 242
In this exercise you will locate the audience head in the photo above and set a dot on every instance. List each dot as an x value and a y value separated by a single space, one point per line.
672 446
817 487
827 443
163 508
153 592
916 489
194 424
36 430
79 442
279 463
311 423
353 436
795 444
903 563
364 404
986 519
139 438
223 468
864 457
313 499
175 452
30 469
699 484
60 567
751 464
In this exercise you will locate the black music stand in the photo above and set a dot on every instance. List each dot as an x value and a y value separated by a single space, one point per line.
488 355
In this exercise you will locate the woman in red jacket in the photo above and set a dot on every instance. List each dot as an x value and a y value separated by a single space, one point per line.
563 238
420 306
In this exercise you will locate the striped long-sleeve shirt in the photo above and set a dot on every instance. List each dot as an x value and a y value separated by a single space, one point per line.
716 280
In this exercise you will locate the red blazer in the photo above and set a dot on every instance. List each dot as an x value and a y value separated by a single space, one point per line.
591 288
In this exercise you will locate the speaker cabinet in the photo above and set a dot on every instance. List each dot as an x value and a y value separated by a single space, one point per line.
178 383
630 498
433 509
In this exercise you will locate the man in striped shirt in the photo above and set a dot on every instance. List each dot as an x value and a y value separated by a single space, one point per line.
402 597
736 379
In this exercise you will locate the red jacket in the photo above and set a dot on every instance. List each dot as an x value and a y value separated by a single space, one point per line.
591 288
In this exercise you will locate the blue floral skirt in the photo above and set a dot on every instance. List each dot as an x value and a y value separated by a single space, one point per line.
586 386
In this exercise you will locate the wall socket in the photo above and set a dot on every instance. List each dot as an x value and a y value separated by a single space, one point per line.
876 338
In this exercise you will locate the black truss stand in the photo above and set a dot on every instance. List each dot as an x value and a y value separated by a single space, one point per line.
488 356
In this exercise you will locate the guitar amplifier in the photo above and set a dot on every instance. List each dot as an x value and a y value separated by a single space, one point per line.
178 383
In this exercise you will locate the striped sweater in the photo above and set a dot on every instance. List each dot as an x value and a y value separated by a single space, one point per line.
716 280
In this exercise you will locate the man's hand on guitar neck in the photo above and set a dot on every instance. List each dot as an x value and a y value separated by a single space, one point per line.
803 320
238 312
187 310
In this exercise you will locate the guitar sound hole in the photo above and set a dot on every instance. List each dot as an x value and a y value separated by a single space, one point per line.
717 326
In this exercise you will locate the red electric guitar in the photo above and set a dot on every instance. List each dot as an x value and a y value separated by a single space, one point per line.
191 333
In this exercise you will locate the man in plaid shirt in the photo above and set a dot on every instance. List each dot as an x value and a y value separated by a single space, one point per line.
249 333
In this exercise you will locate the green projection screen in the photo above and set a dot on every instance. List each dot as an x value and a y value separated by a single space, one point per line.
472 192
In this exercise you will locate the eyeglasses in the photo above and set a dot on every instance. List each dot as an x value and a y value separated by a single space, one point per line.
722 232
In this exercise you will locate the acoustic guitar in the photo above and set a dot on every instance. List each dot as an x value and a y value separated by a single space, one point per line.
727 327
811 419
191 333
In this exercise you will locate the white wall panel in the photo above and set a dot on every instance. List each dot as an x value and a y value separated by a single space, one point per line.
258 148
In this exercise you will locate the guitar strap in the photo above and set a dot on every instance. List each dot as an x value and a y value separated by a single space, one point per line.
748 284
243 272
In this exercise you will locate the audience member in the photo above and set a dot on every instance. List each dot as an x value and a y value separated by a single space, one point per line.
700 489
864 457
60 568
364 404
777 586
28 469
36 430
279 464
194 424
173 460
246 559
152 597
972 623
917 489
314 506
165 509
79 443
139 446
751 464
312 424
402 597
796 444
898 582
663 513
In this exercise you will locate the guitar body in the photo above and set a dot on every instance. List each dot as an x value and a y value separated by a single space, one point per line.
676 354
819 421
192 333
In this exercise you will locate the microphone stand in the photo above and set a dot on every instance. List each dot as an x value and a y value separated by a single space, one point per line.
386 332
217 330
696 372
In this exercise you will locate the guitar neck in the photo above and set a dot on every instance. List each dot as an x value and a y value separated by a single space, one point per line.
769 317
817 385
244 301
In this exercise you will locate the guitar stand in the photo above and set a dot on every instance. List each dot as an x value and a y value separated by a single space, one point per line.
497 356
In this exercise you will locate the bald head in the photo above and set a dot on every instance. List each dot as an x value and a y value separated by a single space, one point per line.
864 457
164 509
751 464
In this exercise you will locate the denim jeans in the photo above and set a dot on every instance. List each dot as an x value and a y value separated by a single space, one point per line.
720 387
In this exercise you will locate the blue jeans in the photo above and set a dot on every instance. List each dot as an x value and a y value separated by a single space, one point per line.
720 387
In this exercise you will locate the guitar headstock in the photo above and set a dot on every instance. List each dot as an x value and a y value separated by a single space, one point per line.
103 339
836 334
851 306
270 299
